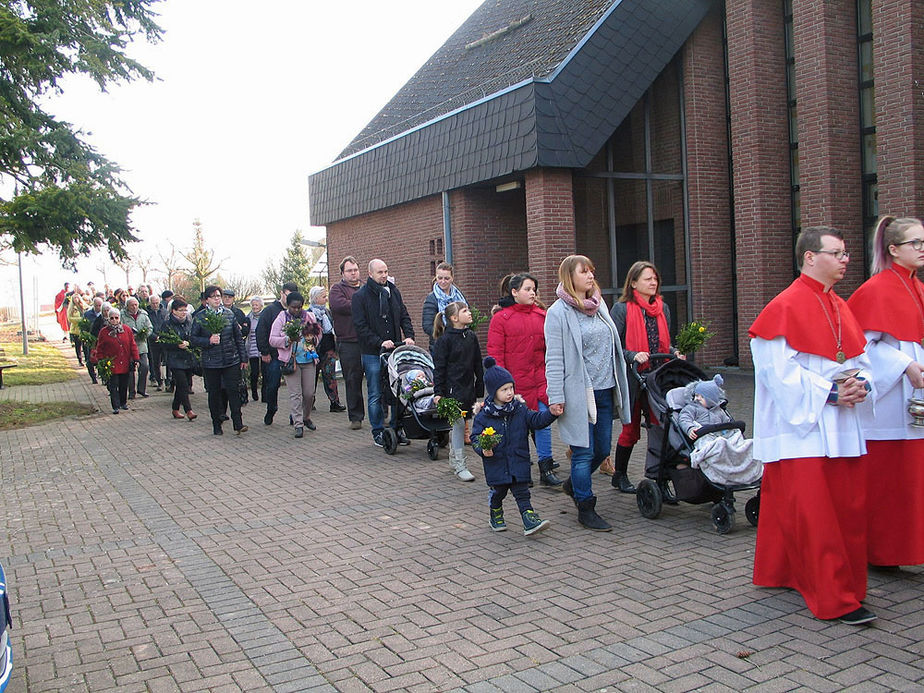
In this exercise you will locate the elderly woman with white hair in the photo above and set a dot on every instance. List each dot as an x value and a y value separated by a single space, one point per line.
327 349
117 342
250 343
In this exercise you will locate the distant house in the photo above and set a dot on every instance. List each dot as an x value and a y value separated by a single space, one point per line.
701 135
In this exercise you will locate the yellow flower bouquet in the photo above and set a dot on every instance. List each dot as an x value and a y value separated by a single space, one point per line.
488 439
692 336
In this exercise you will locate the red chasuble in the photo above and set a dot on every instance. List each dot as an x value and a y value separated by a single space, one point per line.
807 317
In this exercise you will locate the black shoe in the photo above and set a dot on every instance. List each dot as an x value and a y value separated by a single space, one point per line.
621 481
299 432
309 424
115 411
170 388
858 617
159 388
144 394
587 516
378 440
224 417
268 419
402 437
336 406
216 430
94 381
547 477
124 407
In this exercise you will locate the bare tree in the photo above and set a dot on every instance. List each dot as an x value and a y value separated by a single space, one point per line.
145 263
243 286
126 264
202 263
171 266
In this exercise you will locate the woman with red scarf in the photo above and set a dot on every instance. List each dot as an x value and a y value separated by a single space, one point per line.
642 320
890 309
116 341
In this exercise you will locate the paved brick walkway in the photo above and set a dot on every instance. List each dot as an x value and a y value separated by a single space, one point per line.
148 555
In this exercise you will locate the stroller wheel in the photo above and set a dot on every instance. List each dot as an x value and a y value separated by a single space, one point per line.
752 509
648 497
723 518
433 449
390 441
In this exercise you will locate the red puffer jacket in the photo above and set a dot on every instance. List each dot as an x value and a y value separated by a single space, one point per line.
516 340
120 347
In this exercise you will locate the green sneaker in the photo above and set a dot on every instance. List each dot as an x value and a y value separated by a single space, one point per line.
532 523
497 520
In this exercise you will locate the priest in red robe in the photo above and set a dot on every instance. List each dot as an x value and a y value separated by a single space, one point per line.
890 309
811 382
61 307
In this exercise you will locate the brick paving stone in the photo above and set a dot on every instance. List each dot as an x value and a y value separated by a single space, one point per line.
266 563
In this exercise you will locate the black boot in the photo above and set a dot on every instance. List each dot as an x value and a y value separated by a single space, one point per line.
620 479
547 476
588 517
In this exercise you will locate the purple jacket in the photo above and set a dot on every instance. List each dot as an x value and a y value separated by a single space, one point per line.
278 339
340 298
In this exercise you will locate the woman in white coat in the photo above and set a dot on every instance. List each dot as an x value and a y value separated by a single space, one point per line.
586 373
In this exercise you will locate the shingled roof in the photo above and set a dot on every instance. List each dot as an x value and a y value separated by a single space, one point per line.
522 83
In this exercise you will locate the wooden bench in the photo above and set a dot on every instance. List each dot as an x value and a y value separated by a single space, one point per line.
4 366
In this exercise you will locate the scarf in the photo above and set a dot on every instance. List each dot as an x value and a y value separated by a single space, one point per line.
443 299
320 315
116 330
636 333
588 306
491 407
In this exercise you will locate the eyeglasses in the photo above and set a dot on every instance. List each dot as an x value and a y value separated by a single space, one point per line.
113 318
838 254
915 243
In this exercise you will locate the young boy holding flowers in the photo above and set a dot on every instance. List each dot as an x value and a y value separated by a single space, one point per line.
500 434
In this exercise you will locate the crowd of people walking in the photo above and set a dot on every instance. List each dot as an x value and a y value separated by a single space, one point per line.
839 475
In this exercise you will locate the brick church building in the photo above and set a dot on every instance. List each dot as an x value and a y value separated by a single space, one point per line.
698 134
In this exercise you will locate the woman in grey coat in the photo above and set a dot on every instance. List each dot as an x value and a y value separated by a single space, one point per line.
586 373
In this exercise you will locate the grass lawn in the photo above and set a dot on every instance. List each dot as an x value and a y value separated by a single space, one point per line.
44 364
22 414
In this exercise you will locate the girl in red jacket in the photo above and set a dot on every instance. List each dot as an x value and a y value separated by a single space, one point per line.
118 343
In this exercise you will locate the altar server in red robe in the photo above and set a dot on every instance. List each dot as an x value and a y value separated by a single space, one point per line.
811 381
890 309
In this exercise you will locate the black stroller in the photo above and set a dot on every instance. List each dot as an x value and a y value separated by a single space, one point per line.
416 413
667 463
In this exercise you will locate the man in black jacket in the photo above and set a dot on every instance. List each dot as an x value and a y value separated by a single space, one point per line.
269 356
379 316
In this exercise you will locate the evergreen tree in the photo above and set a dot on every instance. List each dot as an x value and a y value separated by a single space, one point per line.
295 266
68 196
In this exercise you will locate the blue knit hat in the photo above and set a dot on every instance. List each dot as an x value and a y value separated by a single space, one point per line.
711 390
495 377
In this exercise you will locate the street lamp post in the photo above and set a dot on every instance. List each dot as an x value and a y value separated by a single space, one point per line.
22 309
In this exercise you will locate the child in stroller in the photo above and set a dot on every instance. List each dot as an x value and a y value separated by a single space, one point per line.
724 456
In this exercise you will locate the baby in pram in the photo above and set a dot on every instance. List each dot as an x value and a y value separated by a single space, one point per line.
417 390
725 457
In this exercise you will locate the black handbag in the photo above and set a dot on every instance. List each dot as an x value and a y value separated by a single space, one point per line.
288 368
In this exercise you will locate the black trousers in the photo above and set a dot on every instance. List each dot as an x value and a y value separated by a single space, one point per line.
182 379
118 389
351 365
155 358
227 381
520 491
256 369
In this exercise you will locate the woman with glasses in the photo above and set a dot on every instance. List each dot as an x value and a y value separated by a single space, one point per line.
180 359
890 309
117 342
642 319
223 358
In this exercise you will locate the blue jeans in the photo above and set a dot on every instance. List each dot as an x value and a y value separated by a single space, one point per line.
543 438
372 365
272 377
585 461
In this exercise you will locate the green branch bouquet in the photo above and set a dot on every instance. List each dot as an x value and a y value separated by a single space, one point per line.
85 336
213 322
293 330
692 336
450 409
104 369
478 318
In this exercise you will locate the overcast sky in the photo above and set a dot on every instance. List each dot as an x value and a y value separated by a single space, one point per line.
250 100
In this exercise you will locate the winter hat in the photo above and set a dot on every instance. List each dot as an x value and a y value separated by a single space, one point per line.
495 377
711 390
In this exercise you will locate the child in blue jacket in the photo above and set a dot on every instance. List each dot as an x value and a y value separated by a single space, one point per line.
506 465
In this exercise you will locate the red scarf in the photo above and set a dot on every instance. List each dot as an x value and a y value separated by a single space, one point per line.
805 321
636 334
893 303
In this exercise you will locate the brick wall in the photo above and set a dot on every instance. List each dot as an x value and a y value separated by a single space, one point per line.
707 184
761 181
549 224
898 55
825 41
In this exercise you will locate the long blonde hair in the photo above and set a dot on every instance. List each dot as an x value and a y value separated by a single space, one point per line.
567 269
